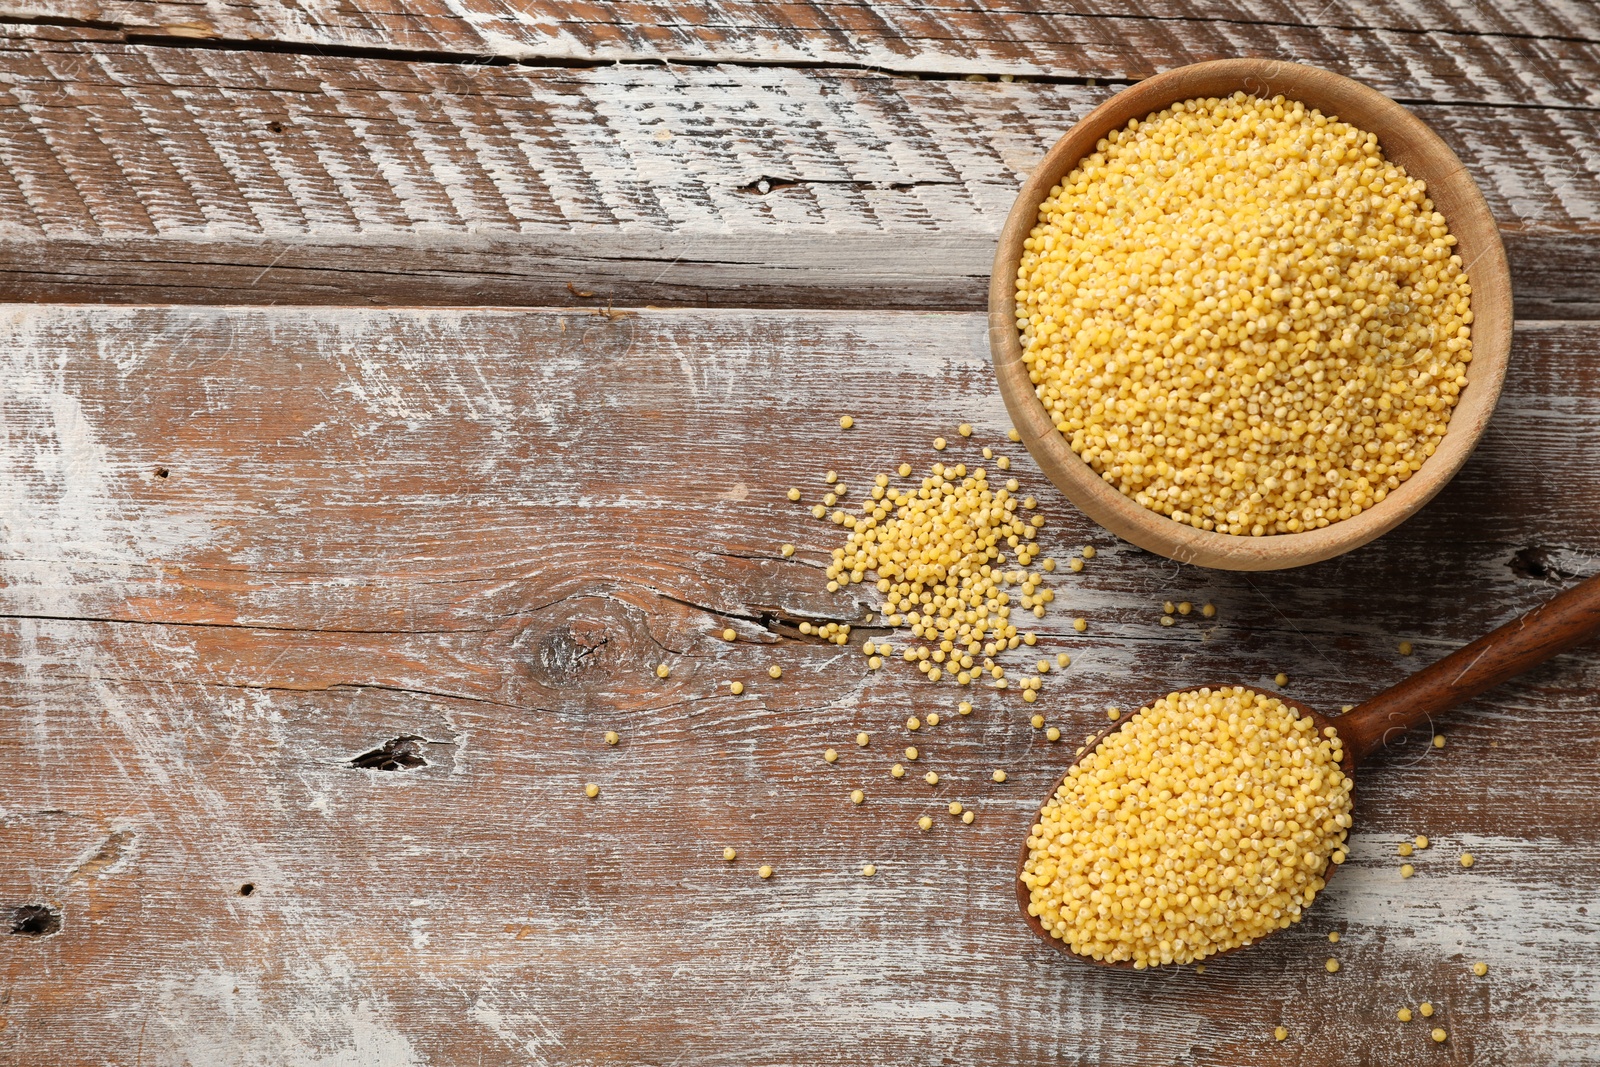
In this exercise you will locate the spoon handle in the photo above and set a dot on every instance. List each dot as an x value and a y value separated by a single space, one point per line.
1546 631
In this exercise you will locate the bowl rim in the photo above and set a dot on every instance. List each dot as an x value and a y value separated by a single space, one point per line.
1403 138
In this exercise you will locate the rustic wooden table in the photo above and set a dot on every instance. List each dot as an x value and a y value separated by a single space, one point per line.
340 519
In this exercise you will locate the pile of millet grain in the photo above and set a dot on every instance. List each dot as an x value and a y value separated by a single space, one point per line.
952 555
1244 317
1206 822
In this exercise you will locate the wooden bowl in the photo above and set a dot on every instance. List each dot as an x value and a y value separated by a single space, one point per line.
1404 139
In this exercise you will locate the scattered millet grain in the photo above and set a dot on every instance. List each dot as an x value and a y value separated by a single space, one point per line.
831 477
925 823
1467 859
1076 566
1209 611
1406 870
730 634
1037 722
1063 660
955 807
1281 1034
794 494
787 550
913 723
1426 1009
831 756
845 422
938 554
1405 648
662 670
1405 848
1333 937
591 790
965 429
1088 552
612 737
1439 1035
1332 966
967 817
964 708
729 854
863 739
736 688
1052 734
911 753
1185 608
1080 624
1421 841
1326 307
897 771
998 775
1404 1015
1227 772
1167 620
774 671
857 796
932 778
1280 679
764 871
933 718
1480 969
1013 435
938 444
1438 740
869 870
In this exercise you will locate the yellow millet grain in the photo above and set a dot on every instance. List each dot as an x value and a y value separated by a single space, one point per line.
1244 317
939 555
1207 821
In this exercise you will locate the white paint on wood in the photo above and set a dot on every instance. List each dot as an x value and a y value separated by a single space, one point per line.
311 1017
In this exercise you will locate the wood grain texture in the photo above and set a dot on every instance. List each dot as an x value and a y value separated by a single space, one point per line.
1426 46
139 173
244 546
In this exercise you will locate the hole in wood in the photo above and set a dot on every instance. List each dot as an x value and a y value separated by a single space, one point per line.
275 126
762 186
1539 564
247 889
398 754
161 472
35 920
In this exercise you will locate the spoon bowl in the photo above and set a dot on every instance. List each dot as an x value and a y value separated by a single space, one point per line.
1558 625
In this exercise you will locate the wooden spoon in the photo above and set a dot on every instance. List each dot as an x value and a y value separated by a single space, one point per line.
1562 623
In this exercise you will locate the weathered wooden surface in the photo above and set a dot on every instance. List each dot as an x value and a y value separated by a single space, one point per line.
245 546
148 172
251 555
1473 45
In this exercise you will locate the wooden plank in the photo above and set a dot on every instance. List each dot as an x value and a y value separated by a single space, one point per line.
1465 44
139 173
247 545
